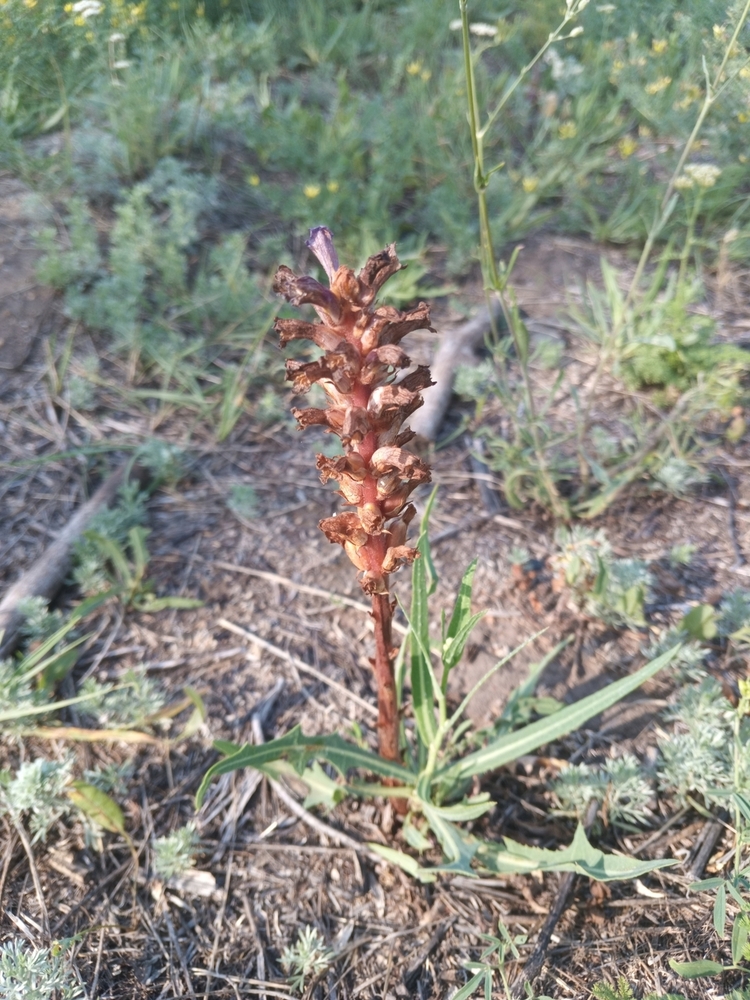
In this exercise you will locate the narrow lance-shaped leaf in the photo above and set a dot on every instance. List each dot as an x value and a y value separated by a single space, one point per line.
513 745
422 692
299 750
460 626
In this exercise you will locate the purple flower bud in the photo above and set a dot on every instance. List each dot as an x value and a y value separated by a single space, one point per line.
321 244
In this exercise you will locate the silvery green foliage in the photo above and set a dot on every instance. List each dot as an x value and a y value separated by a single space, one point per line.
308 957
28 973
620 785
16 690
604 586
698 756
175 853
111 778
243 500
677 476
131 704
734 612
166 461
115 523
39 621
688 662
36 792
474 381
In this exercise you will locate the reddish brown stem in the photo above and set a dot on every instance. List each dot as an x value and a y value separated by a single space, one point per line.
383 663
388 727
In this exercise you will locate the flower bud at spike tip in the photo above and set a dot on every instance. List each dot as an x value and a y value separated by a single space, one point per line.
367 404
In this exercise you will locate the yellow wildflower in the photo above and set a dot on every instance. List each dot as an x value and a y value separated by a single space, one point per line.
29 3
658 85
530 184
253 180
618 65
720 33
568 130
645 132
743 117
311 190
683 183
425 75
659 45
332 186
414 67
745 73
627 146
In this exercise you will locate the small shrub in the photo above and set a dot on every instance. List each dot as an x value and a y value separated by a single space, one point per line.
28 973
175 853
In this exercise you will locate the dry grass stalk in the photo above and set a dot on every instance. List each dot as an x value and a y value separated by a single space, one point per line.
366 410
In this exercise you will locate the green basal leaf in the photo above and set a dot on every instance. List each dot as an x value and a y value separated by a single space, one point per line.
471 987
404 861
299 750
462 812
581 857
414 836
458 848
513 745
692 970
322 789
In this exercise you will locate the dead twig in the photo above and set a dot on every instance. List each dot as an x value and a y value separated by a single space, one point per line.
45 576
296 662
321 828
456 345
303 588
535 961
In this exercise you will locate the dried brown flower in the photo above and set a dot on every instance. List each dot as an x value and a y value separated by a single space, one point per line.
366 409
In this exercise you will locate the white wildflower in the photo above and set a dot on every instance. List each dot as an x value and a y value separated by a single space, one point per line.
87 8
705 175
480 28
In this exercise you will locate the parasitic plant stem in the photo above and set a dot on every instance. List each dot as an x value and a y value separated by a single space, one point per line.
366 410
388 727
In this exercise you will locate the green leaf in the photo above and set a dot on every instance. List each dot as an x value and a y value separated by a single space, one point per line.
513 745
299 750
458 848
414 836
469 809
470 988
700 623
580 857
692 970
404 861
422 691
197 717
160 603
720 910
322 789
461 624
97 805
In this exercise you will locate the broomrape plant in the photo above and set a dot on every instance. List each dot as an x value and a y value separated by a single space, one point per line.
427 767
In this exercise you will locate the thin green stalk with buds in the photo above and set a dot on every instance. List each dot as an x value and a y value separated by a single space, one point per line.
495 281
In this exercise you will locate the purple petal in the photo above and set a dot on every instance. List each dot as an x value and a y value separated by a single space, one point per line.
321 244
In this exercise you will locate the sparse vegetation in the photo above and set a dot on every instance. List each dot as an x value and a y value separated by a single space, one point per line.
172 154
